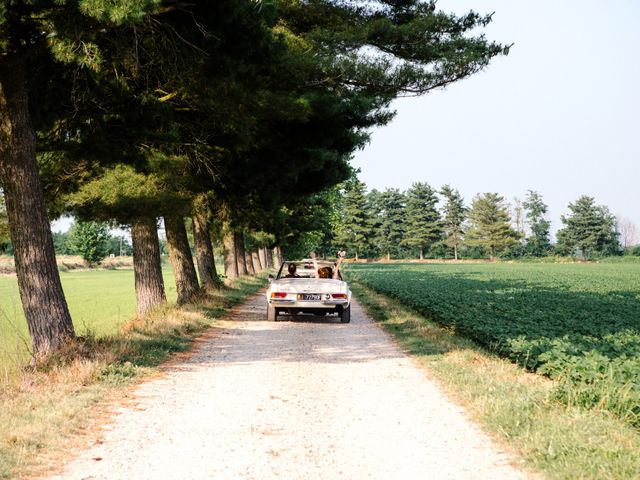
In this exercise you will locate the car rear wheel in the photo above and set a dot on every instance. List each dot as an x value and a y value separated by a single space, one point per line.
345 316
272 314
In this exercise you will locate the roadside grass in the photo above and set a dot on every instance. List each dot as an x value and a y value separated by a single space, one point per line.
516 407
45 411
100 302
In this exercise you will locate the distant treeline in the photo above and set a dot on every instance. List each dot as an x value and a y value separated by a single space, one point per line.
93 241
424 222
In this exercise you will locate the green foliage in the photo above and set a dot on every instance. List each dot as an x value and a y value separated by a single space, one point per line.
119 246
490 227
352 232
538 243
423 225
575 323
454 213
90 240
589 229
62 244
560 441
121 193
303 244
388 219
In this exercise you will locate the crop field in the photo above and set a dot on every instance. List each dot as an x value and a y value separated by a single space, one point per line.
100 301
576 323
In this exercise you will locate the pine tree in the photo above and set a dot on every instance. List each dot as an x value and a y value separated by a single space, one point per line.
423 225
353 232
490 226
454 214
374 217
538 243
391 222
589 228
43 44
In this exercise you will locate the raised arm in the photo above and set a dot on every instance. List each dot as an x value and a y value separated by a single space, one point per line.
341 255
315 263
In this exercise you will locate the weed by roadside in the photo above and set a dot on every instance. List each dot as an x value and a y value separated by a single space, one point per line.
44 411
518 408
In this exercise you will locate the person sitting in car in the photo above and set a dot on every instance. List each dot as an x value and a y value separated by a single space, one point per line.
292 271
327 272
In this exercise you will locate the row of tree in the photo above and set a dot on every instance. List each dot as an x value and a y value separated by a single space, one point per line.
93 241
235 113
425 221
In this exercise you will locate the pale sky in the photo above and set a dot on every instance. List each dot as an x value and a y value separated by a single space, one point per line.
559 114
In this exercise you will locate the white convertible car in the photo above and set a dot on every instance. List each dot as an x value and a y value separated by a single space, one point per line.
300 287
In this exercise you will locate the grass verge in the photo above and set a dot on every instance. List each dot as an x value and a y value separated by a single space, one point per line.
516 407
46 410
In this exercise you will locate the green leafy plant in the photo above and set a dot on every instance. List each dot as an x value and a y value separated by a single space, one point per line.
575 323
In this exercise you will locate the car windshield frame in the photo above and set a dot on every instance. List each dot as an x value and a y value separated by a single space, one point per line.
305 269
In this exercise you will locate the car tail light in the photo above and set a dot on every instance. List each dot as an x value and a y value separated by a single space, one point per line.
339 295
278 294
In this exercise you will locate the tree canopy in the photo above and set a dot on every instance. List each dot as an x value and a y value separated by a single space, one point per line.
589 228
489 224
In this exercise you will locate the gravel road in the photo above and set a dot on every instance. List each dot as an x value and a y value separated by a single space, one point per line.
304 399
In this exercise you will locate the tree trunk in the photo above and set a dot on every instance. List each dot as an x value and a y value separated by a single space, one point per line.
455 252
181 259
356 255
146 265
263 258
249 262
240 253
43 300
269 257
204 251
255 256
230 261
277 255
421 254
388 256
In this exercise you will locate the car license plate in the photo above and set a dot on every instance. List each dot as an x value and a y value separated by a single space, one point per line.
309 296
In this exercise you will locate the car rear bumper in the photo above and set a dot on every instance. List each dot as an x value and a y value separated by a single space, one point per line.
326 304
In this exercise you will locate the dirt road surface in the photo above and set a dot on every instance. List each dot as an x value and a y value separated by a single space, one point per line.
307 398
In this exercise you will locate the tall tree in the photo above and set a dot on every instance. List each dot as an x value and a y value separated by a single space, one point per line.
629 235
518 216
390 222
353 229
373 211
588 228
89 240
204 247
454 214
180 257
135 199
423 225
40 41
490 224
538 242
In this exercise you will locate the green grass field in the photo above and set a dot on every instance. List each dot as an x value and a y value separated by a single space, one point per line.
100 301
577 323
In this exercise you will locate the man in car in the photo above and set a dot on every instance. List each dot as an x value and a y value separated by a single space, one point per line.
291 268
